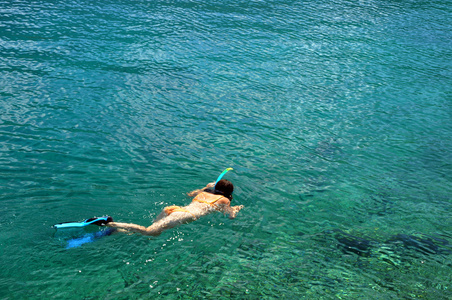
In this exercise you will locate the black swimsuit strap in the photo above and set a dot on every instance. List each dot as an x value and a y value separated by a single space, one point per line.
217 192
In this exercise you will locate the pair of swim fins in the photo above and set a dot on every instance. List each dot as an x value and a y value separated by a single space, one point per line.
87 237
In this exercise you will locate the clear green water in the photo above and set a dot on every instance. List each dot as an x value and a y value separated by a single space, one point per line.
335 115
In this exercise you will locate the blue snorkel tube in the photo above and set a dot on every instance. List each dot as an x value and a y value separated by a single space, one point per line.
221 176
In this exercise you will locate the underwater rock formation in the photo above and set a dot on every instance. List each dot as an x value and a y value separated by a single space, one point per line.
424 244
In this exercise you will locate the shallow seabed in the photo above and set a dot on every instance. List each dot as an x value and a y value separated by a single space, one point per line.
335 115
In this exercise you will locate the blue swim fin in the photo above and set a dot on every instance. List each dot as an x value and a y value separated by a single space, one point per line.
96 221
88 238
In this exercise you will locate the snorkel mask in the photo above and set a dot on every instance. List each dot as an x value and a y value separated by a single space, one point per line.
214 189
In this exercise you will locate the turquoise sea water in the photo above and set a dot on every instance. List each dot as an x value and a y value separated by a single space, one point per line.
335 115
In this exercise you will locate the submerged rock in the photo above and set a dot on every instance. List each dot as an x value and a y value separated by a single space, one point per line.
425 244
391 249
352 244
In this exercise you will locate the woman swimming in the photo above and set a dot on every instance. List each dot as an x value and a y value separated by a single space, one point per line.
214 197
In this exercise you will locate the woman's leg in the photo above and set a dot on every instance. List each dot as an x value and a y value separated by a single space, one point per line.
162 215
164 222
134 228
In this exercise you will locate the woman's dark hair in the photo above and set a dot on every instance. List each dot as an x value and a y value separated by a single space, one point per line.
223 187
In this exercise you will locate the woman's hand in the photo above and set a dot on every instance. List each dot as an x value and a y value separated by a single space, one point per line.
210 185
235 210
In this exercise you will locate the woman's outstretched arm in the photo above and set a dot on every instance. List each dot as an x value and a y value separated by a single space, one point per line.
232 211
196 192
